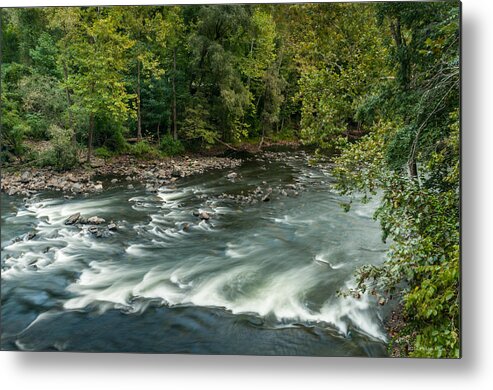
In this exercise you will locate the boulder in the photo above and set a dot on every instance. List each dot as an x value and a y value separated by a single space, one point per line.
162 174
148 175
26 176
97 163
77 187
112 226
72 219
95 220
176 172
71 178
204 215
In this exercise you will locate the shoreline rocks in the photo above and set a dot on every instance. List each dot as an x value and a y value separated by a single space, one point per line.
127 169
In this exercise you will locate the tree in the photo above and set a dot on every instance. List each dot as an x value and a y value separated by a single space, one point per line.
417 121
141 27
170 37
216 45
100 56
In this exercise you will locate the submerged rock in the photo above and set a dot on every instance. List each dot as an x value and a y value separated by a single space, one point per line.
92 229
266 197
96 231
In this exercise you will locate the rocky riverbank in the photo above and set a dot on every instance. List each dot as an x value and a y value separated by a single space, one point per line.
152 174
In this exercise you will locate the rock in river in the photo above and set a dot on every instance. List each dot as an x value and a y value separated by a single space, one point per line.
72 219
95 220
266 197
204 215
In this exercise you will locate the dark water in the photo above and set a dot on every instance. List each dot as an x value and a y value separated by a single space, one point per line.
257 278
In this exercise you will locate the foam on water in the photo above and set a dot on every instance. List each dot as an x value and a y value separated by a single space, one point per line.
281 261
239 289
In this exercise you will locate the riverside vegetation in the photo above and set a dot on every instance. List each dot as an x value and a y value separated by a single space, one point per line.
374 87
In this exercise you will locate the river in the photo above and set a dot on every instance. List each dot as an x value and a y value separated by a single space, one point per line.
257 278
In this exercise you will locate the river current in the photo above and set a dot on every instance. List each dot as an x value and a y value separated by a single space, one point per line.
256 278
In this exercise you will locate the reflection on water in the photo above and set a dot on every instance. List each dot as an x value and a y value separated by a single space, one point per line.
257 278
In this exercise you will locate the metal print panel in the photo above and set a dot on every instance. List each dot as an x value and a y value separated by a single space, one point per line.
269 179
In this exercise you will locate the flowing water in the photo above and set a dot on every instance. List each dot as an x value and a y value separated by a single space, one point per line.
257 278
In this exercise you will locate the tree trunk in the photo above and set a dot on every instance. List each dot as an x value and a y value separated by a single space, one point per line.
139 119
69 103
175 132
413 168
403 58
90 137
262 140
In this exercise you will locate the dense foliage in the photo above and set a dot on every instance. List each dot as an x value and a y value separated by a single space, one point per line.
376 85
411 155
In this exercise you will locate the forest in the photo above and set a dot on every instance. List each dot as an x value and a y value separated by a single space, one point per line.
372 87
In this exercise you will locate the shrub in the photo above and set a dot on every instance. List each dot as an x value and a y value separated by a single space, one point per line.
103 152
38 126
110 134
143 149
12 140
286 134
171 147
63 153
13 130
